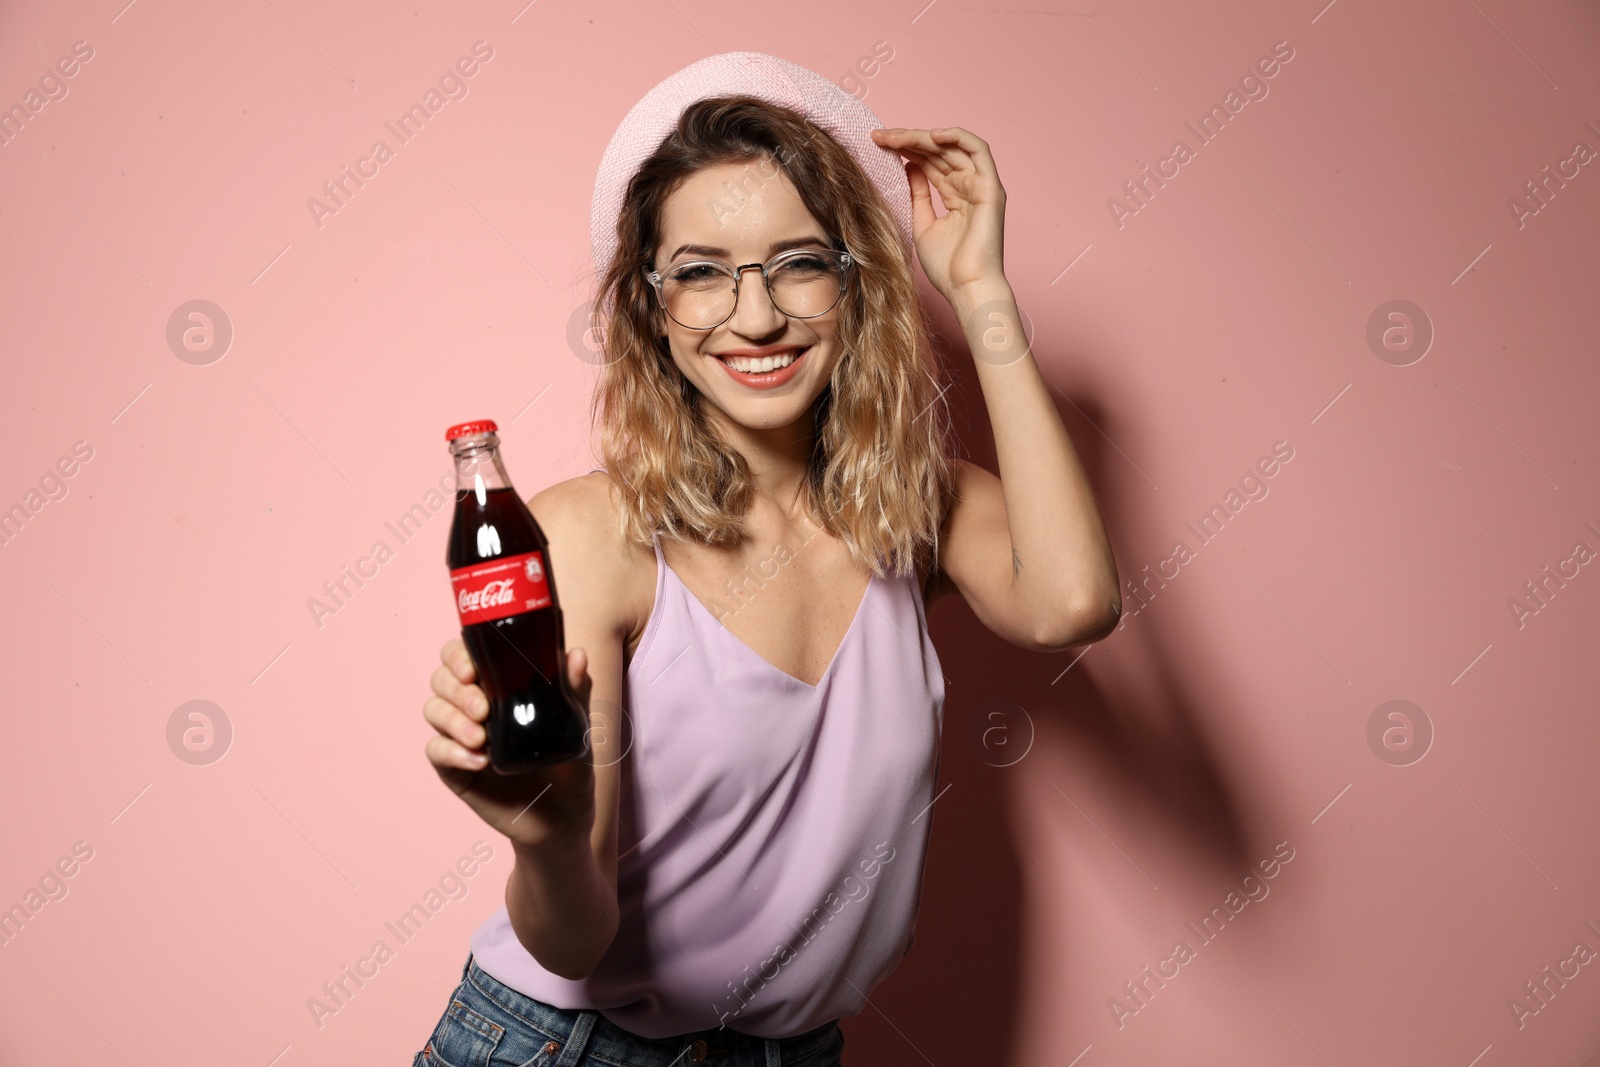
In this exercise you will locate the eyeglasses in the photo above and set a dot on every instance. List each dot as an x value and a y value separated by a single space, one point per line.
702 294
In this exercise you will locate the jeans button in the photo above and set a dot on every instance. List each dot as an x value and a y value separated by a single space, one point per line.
697 1051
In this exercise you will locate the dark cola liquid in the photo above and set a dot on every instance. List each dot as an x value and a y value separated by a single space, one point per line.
534 717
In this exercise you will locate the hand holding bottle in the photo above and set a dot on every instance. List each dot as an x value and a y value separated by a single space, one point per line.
533 808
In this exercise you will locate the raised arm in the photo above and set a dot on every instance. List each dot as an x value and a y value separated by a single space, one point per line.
1027 550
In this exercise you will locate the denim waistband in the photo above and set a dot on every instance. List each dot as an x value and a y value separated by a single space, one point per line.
582 1030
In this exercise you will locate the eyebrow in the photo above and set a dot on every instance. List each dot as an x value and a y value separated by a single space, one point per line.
774 249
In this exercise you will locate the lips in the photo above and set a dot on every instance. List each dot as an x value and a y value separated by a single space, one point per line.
759 354
769 379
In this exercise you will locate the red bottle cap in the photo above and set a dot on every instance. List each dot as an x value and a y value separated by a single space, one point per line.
481 426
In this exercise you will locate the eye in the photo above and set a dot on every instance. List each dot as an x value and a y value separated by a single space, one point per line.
693 272
808 265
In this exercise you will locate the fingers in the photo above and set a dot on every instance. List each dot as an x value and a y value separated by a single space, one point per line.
578 669
952 139
454 655
469 698
921 144
922 212
927 158
925 171
444 753
450 721
945 150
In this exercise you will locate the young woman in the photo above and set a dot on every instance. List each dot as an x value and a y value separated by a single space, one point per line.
749 576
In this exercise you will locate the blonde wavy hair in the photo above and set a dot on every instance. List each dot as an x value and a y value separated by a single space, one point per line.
881 475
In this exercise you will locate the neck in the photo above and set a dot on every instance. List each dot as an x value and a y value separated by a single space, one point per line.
778 456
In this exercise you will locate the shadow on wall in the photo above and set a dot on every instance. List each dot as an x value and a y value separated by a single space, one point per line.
956 995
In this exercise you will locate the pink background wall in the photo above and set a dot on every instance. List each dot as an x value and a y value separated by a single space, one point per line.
1116 798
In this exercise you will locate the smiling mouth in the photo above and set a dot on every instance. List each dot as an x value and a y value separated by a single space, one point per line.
765 364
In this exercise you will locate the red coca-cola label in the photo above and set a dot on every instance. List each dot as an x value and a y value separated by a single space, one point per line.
500 588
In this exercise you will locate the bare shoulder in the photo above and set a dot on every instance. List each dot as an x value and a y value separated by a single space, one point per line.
597 572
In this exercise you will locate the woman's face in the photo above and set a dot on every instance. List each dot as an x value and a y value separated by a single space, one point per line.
746 213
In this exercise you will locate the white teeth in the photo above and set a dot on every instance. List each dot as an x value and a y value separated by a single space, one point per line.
762 366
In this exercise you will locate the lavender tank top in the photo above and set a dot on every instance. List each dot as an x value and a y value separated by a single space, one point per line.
772 833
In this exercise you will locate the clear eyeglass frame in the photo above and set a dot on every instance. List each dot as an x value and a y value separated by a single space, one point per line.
845 259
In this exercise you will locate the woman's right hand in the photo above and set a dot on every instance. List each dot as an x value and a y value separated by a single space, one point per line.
553 803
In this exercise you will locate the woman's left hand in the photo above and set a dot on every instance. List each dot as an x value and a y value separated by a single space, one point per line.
963 249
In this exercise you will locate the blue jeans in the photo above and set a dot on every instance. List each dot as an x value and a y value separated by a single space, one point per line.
489 1024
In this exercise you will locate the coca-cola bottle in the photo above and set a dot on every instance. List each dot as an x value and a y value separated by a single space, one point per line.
505 594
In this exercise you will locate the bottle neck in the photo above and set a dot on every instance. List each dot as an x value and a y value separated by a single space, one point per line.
478 466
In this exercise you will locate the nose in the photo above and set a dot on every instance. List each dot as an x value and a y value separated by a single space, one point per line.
757 316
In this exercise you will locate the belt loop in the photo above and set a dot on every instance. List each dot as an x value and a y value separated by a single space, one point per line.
465 967
578 1039
774 1056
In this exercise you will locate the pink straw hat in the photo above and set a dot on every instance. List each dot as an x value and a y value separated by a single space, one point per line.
847 119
